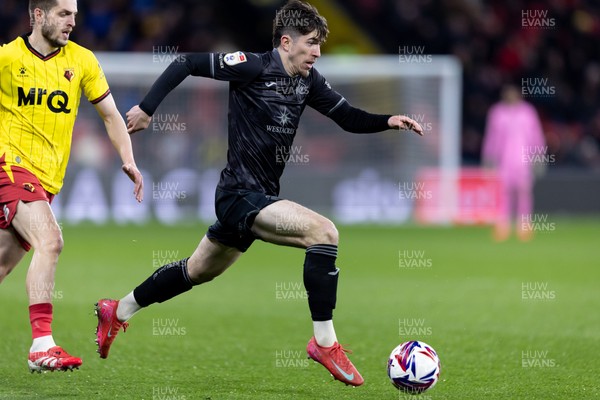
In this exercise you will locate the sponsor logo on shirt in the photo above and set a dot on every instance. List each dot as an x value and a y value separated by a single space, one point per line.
283 118
57 101
236 58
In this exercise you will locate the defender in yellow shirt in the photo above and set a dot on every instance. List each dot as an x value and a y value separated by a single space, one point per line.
42 77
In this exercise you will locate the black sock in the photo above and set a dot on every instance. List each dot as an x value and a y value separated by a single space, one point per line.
165 283
320 280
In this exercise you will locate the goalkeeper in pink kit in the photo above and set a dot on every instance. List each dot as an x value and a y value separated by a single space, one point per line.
513 144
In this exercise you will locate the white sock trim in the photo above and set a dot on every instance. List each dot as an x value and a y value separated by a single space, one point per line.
324 333
42 343
127 307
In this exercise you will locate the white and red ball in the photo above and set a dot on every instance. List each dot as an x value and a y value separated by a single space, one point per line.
414 367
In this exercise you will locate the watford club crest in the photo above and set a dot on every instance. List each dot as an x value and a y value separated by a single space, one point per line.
69 73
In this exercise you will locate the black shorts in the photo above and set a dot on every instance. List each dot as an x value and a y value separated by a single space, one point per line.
236 211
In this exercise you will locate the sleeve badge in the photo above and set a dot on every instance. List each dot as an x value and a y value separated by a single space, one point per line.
232 59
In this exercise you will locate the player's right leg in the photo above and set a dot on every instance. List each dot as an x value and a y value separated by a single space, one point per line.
28 221
35 223
209 260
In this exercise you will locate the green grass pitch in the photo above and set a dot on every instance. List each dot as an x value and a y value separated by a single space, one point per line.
509 321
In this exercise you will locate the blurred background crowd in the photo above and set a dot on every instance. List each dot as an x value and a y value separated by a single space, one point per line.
498 41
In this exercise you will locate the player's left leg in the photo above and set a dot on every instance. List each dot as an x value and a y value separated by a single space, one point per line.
11 252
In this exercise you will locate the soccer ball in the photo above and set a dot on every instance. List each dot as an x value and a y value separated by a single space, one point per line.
413 367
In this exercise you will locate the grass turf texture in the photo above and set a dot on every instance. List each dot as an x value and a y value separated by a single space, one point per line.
243 336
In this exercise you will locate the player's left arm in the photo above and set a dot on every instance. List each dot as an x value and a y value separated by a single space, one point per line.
117 132
331 104
355 120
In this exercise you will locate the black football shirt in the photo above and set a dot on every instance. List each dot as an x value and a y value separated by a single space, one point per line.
265 105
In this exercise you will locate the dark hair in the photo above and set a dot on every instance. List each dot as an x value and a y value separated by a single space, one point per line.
45 5
298 18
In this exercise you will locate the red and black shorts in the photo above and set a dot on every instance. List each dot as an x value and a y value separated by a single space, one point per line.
25 187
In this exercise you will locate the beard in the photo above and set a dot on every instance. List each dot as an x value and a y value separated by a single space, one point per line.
49 32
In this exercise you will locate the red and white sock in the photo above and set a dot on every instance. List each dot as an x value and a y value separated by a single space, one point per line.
40 317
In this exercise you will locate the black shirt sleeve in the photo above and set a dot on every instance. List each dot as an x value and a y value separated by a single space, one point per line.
235 67
355 120
333 105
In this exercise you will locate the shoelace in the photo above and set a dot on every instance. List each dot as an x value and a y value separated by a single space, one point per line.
339 348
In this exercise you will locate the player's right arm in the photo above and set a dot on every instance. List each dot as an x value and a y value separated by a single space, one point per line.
234 67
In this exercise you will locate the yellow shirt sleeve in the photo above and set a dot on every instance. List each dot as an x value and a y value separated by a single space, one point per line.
94 84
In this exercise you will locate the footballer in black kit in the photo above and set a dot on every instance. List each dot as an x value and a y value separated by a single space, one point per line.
265 105
267 95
